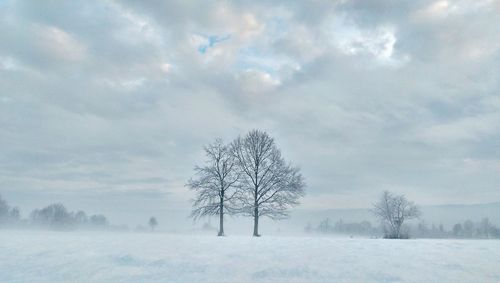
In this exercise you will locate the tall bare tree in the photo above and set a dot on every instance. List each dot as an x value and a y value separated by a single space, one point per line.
269 185
393 210
215 184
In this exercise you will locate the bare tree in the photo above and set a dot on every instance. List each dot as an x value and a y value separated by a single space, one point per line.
98 220
55 216
153 223
215 184
81 218
15 214
468 228
4 210
393 210
484 228
269 185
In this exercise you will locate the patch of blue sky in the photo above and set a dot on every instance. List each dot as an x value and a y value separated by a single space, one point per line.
211 41
252 58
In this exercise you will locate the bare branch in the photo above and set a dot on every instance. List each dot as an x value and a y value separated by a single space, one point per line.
269 186
393 211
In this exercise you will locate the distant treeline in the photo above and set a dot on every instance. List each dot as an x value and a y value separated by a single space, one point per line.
8 215
327 226
54 216
469 229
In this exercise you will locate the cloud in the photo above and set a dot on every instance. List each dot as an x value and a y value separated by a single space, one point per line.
59 44
105 96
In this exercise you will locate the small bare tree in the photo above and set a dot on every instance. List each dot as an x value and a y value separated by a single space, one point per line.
215 184
269 185
153 223
393 210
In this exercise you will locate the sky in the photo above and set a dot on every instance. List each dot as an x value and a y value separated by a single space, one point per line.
106 105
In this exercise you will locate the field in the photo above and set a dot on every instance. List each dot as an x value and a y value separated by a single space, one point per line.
42 256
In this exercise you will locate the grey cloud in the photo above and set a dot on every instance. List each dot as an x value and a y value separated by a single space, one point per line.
115 97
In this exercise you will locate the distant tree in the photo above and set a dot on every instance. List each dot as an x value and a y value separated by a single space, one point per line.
269 185
495 232
422 229
15 214
81 217
4 210
351 228
324 226
468 228
339 226
215 184
457 230
98 220
367 228
8 215
393 210
485 228
153 223
55 216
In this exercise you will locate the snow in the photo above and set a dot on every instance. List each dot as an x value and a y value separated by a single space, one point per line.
43 256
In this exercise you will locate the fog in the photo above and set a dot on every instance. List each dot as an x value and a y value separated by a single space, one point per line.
108 105
327 141
179 221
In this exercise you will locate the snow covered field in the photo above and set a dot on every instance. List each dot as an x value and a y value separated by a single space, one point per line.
41 256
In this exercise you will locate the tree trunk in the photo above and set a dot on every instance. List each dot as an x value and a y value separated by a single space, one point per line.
221 219
256 222
397 231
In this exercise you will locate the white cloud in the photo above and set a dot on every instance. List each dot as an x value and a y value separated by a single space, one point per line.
166 67
378 42
256 82
441 9
59 43
467 129
369 93
9 63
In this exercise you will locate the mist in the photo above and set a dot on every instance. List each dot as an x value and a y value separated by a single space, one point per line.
228 141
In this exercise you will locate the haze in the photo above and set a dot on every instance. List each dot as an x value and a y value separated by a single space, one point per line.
105 105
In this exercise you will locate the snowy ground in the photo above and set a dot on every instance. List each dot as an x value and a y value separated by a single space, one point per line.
40 256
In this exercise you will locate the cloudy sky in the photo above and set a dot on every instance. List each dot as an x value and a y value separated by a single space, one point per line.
108 103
